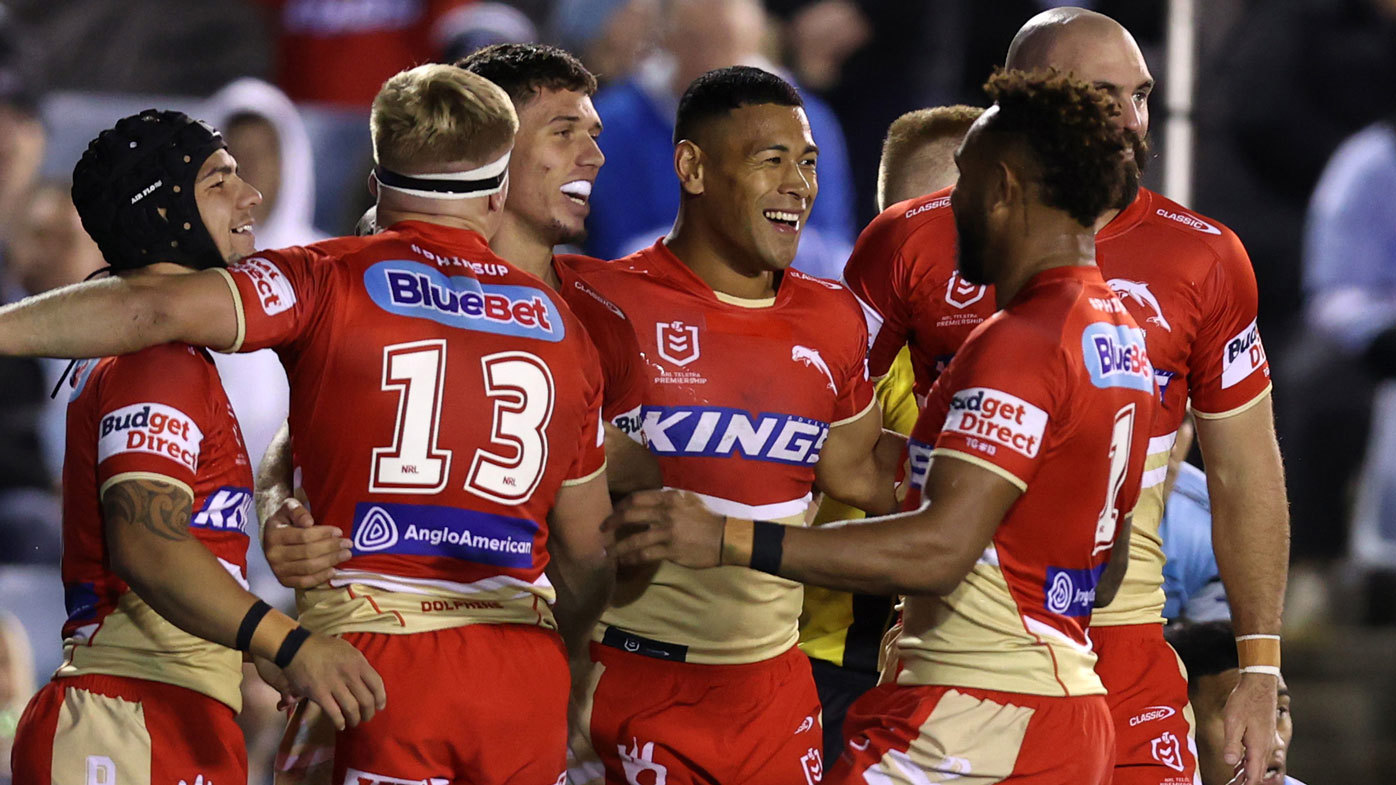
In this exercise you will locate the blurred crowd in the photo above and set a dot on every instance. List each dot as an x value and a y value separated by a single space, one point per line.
1294 116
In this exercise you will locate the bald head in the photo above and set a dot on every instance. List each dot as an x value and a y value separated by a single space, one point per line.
1093 48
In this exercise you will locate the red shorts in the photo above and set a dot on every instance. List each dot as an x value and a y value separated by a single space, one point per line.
912 734
1148 698
679 723
485 703
106 729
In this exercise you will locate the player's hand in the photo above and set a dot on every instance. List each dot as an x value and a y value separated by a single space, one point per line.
673 525
300 553
276 679
1249 723
338 678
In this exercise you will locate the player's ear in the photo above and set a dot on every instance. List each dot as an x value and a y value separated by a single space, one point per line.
1005 188
688 165
373 185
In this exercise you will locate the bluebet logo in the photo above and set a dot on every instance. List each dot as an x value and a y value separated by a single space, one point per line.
1116 357
717 432
1071 592
452 532
422 292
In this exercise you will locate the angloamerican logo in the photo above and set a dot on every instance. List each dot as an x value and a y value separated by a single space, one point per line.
429 530
1071 592
717 432
422 292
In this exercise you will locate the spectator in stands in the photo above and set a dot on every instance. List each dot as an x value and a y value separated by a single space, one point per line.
611 36
1350 281
1208 652
634 200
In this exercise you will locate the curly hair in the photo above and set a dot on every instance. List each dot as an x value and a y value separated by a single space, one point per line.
524 70
1069 130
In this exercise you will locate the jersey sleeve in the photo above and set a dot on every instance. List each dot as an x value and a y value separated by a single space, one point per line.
622 361
993 404
278 295
1228 371
153 409
877 274
855 393
591 453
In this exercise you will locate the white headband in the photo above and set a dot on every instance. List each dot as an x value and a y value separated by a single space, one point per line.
483 181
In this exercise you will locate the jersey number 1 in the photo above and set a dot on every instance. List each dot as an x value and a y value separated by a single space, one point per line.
521 387
1120 439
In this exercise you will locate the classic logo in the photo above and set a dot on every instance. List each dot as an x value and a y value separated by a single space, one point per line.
1244 355
810 357
595 295
1190 221
806 724
150 428
415 290
1115 356
1071 592
1151 714
274 291
934 204
1167 750
717 432
678 342
451 532
1138 292
997 417
356 777
227 509
812 763
961 293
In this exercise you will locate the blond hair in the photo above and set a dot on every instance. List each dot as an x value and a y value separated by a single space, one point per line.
435 115
912 133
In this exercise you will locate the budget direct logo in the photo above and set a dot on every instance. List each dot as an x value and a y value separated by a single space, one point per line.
1242 356
415 290
274 291
152 428
451 532
717 432
1071 592
997 417
1115 356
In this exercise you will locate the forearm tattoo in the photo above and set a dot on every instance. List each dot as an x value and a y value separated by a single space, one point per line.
162 508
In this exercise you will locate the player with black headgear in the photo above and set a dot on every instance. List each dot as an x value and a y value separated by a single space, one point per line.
156 494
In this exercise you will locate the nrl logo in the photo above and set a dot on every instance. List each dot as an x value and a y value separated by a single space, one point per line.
961 293
678 342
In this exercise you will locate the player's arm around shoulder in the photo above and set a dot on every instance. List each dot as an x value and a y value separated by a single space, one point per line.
146 519
122 315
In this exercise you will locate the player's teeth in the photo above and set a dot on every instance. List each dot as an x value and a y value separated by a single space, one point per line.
578 189
778 215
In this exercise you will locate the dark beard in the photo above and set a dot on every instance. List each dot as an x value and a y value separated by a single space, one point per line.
561 235
1135 176
969 251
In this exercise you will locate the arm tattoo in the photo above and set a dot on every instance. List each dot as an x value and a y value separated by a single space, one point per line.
162 508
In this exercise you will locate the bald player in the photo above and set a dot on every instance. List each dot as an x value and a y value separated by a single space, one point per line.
1188 282
840 632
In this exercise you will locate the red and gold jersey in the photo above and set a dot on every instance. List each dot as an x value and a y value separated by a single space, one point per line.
1185 279
1055 394
622 362
159 414
740 396
440 398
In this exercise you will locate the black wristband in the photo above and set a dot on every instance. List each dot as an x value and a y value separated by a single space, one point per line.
249 624
290 645
767 545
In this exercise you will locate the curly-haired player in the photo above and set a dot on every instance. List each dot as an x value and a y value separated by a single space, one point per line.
1025 464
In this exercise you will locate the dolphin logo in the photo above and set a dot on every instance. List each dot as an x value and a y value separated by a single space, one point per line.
810 357
1139 293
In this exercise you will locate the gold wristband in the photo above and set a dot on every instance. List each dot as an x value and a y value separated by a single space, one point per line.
1258 651
736 541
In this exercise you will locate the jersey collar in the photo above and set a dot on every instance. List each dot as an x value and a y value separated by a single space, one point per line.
1128 217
